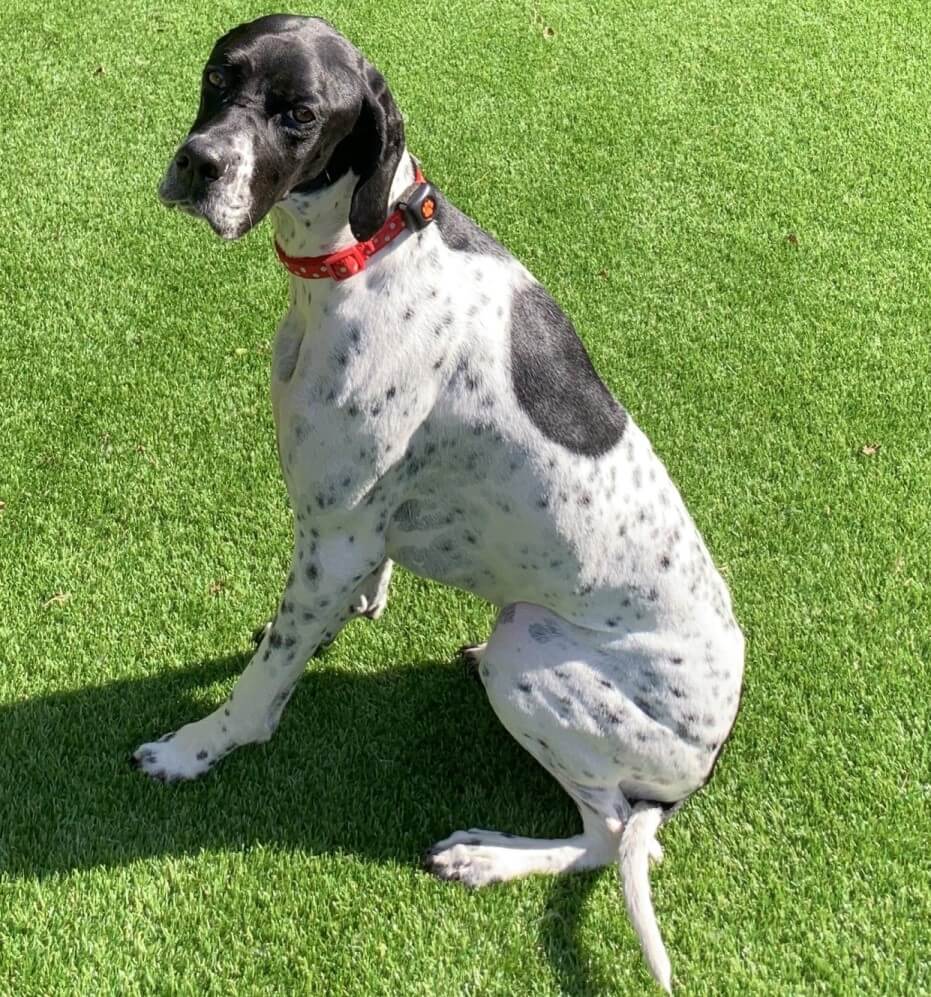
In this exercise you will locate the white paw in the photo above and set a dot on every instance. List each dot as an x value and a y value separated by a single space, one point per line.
372 601
472 858
471 654
370 609
186 754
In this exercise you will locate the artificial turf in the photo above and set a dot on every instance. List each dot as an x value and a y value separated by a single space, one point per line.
732 203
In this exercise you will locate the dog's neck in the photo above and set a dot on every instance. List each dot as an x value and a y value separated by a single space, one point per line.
318 223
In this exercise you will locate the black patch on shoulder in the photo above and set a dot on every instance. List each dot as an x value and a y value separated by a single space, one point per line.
554 380
462 234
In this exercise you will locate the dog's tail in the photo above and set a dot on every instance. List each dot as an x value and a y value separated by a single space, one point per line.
639 845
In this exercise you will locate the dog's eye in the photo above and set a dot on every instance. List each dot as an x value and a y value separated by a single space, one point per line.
302 114
216 79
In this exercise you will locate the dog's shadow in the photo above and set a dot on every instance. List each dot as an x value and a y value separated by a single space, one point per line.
381 764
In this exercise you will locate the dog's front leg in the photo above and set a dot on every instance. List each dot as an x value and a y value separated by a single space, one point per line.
330 572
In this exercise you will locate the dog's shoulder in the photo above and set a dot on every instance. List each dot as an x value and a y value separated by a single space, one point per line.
554 379
462 234
552 376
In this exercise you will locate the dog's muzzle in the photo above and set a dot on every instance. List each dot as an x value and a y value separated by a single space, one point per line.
193 173
212 179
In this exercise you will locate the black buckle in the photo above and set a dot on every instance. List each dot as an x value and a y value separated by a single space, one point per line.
419 206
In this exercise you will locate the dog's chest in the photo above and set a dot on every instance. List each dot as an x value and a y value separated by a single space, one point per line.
359 365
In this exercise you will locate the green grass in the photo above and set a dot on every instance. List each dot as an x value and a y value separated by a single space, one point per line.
648 161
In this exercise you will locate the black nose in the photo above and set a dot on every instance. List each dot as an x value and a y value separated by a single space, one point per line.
199 163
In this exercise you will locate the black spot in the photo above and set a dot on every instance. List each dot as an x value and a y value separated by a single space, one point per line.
554 379
202 754
462 234
391 392
524 686
645 707
544 631
665 563
408 314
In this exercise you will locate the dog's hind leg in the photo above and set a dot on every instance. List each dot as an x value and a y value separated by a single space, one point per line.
548 687
479 858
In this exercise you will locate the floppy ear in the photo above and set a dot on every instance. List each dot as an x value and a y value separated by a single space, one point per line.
378 141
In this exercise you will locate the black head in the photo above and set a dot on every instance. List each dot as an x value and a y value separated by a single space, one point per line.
287 104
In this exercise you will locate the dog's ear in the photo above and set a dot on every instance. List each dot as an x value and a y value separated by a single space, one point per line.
378 141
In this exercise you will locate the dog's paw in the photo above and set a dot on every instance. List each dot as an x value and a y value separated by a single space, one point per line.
471 654
371 610
372 598
474 858
185 754
471 657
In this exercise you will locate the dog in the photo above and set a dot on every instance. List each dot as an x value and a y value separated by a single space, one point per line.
434 407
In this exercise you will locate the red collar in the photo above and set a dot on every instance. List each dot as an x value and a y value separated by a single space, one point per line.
415 210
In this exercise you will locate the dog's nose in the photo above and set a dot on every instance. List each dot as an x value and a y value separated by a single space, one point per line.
199 162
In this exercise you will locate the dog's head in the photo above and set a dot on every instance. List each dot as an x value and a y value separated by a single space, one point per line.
286 105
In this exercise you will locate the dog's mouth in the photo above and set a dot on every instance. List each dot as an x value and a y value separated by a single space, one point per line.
183 204
228 223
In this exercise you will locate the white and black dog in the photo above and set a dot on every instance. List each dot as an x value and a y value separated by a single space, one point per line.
437 409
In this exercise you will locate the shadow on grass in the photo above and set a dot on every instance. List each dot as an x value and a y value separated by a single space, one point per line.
559 936
380 765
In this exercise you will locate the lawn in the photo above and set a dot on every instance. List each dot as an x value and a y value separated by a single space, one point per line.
732 201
